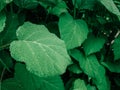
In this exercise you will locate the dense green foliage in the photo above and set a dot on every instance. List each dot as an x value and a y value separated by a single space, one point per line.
59 45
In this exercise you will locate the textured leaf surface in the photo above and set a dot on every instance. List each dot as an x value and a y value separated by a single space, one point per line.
43 53
2 21
73 32
116 48
79 85
93 44
24 80
109 4
92 68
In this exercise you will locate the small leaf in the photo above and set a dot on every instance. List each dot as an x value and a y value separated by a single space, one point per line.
75 69
89 87
73 32
59 9
24 80
43 52
2 21
93 44
79 85
116 48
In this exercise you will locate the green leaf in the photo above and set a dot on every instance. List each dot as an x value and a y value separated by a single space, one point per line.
3 3
2 21
24 80
89 87
79 85
75 69
5 60
93 44
59 9
28 4
109 4
116 48
43 52
46 3
9 33
92 68
73 32
85 4
112 66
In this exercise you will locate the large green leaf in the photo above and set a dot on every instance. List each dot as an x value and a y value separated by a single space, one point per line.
116 48
43 52
28 4
2 21
73 32
109 4
3 3
24 80
92 68
93 44
79 85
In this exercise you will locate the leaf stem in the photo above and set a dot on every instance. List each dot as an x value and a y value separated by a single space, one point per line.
4 46
74 9
1 77
5 66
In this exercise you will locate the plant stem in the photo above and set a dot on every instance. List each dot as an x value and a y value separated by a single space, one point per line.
74 9
1 77
5 66
4 46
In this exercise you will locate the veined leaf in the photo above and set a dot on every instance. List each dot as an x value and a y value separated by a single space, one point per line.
79 85
93 44
3 3
2 21
24 80
43 53
92 68
116 48
73 32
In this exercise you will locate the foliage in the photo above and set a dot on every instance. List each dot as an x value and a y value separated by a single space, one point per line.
59 44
